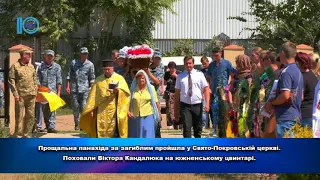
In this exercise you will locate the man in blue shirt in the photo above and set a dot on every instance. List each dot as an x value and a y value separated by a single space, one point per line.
49 75
120 67
156 74
219 72
289 93
80 78
39 113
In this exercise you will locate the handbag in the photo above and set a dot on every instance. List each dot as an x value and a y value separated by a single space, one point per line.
166 95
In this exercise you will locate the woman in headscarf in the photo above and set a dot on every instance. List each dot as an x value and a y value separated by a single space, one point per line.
144 107
242 83
310 82
316 65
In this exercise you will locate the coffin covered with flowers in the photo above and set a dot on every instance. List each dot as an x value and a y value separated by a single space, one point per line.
139 57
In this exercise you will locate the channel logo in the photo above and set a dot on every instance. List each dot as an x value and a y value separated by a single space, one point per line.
29 25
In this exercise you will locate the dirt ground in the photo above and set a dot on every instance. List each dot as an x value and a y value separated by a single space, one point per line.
66 123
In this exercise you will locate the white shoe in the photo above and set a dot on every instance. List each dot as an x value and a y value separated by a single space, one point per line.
170 127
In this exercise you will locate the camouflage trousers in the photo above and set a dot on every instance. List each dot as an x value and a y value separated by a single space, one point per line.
78 102
24 116
49 117
170 109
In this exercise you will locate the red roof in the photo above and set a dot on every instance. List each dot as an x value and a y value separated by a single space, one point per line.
304 47
233 47
20 46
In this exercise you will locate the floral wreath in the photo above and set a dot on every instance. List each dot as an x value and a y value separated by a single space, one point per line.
138 52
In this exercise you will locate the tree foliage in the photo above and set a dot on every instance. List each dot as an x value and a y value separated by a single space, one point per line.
140 17
214 42
60 18
182 48
289 20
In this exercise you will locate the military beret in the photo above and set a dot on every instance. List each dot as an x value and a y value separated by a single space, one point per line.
24 50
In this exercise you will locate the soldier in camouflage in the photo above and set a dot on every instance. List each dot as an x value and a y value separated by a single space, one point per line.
49 74
79 80
156 74
24 85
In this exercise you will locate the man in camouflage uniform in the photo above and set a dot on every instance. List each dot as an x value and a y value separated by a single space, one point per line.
49 74
23 84
79 80
156 74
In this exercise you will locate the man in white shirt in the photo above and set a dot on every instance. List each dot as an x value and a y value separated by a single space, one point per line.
191 89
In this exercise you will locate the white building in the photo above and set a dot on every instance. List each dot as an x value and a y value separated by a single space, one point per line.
200 20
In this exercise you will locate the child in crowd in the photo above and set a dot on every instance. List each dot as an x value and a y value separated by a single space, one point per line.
205 115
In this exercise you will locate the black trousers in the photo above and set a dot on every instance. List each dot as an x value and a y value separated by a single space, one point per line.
157 129
191 117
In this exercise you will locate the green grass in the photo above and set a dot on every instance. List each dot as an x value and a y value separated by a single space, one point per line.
4 131
64 111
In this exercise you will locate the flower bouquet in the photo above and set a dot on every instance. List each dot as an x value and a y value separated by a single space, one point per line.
139 57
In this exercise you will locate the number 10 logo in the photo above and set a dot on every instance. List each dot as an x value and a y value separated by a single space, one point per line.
29 25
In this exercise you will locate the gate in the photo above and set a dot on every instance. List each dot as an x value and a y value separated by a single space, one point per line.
4 91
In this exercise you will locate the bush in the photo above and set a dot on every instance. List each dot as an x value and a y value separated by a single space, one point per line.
300 132
183 48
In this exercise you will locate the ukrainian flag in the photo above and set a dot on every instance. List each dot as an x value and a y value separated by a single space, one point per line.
46 95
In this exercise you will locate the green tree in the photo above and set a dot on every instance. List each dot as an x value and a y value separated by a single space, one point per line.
140 17
182 48
214 42
289 20
59 19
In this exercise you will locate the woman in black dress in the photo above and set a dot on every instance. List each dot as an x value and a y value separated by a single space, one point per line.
170 81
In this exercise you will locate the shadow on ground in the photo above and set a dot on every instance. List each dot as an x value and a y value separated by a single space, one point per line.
80 135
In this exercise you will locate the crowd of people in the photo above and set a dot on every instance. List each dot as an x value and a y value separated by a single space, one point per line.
265 95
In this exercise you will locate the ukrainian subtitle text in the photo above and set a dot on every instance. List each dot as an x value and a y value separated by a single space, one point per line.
178 158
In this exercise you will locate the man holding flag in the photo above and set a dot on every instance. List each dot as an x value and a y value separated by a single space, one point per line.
49 74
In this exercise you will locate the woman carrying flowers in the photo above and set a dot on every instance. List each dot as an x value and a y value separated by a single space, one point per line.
242 82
